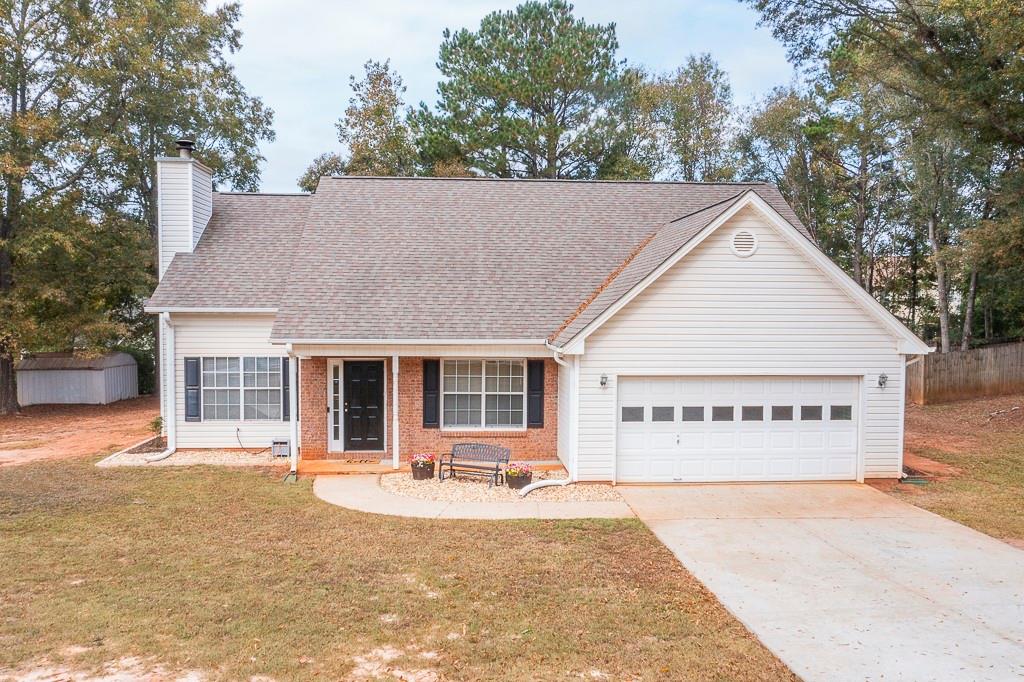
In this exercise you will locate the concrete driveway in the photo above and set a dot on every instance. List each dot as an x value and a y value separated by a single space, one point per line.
844 582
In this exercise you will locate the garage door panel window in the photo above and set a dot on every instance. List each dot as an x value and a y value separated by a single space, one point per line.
693 414
663 414
810 413
752 413
632 414
841 413
722 413
782 413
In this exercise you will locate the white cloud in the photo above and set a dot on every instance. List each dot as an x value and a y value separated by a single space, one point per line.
298 55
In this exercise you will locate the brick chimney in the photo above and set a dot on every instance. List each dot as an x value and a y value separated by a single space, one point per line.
184 190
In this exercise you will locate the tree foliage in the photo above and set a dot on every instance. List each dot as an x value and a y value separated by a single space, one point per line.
919 110
534 92
696 115
90 91
374 128
182 85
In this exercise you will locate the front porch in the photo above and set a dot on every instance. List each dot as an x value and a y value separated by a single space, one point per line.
365 412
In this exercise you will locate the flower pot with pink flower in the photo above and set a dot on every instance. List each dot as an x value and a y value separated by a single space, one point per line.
518 475
422 466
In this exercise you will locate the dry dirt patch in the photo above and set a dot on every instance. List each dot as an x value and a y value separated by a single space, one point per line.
979 448
46 432
961 427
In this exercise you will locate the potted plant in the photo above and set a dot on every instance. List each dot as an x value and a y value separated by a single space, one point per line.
518 475
422 466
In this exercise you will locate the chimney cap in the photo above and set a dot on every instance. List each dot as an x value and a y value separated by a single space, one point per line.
185 146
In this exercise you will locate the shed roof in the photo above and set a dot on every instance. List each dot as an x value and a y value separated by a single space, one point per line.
69 361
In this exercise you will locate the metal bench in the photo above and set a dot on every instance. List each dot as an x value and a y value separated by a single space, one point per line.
475 459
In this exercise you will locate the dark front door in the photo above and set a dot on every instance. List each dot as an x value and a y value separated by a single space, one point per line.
364 405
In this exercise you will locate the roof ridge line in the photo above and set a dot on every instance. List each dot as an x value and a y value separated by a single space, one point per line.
737 183
717 203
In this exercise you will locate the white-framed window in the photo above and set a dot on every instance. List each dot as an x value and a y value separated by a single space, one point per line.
241 388
483 394
261 378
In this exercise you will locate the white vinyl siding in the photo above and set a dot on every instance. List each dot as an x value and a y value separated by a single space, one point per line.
564 403
771 314
235 336
185 205
202 202
174 187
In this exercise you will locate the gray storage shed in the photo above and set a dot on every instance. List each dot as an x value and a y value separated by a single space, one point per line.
48 378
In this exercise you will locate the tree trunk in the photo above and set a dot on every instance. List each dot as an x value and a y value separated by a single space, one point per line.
858 251
972 292
914 281
8 389
942 293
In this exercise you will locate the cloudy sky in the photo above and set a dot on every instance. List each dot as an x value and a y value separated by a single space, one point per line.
298 55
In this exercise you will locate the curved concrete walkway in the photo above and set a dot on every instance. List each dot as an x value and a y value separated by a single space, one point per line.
363 493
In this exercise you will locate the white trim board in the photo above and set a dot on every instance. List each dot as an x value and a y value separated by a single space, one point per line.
907 341
185 309
409 342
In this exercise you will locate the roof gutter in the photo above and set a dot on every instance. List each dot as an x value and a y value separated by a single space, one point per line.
410 342
186 309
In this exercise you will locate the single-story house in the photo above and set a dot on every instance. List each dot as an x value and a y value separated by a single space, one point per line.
637 331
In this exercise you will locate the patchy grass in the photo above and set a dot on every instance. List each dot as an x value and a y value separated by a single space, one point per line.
985 439
234 574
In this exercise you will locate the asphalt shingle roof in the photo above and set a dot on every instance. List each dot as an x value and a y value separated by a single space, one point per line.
425 258
241 259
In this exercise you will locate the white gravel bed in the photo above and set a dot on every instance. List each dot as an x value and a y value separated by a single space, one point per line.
476 490
191 458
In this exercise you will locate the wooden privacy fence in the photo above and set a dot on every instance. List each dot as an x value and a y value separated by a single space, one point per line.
945 377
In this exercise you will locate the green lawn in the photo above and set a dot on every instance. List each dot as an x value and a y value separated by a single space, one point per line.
985 439
233 574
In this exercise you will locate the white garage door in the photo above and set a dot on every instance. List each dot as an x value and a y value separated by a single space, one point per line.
736 429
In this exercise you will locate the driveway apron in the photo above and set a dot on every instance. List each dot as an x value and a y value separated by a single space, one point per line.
844 582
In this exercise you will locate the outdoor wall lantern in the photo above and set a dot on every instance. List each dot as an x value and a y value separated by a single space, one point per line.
883 379
604 380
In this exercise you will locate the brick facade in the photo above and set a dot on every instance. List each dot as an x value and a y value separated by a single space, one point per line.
313 408
534 443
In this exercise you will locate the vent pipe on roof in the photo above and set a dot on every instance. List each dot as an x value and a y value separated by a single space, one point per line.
185 147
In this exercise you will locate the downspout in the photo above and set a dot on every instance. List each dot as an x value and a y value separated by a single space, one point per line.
558 356
170 383
293 412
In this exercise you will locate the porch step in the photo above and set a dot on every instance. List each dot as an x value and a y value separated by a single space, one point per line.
340 466
316 467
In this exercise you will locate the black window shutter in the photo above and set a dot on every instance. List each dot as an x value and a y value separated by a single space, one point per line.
535 393
431 394
192 402
286 404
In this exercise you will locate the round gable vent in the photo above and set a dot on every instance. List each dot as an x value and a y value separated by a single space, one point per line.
744 243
